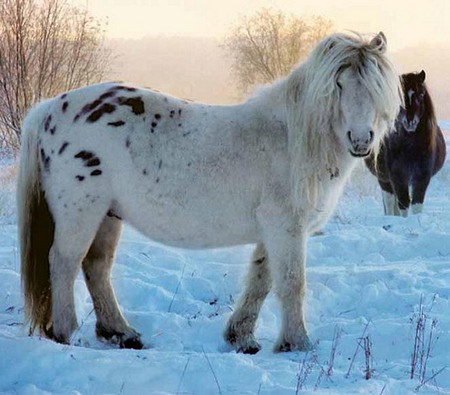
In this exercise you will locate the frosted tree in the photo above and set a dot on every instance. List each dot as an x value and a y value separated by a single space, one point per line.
269 43
46 47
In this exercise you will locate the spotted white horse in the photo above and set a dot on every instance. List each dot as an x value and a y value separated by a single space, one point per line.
268 171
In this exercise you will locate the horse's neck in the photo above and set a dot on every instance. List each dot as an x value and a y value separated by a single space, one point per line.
269 103
426 129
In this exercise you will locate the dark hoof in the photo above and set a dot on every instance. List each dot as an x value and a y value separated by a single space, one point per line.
48 333
133 343
250 349
248 345
303 345
130 341
285 347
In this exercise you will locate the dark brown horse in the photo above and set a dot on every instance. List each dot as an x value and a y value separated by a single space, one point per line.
411 154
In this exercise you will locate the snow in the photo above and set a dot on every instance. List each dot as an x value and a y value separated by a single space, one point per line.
367 274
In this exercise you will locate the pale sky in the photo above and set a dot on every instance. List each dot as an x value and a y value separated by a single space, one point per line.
405 22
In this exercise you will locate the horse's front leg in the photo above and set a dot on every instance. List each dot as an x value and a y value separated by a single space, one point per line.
389 200
286 247
419 188
241 325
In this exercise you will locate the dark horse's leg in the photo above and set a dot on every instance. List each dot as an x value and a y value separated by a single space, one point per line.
401 188
389 199
419 188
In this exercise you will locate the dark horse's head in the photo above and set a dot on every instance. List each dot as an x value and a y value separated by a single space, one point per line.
417 102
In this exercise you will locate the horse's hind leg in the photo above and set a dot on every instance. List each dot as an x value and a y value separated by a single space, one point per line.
241 325
111 325
72 237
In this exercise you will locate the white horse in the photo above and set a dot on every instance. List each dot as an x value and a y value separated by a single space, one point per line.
268 171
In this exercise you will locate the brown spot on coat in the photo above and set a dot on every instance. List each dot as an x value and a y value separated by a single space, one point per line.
116 123
63 147
84 155
106 95
136 104
91 106
96 172
105 108
92 162
47 122
125 88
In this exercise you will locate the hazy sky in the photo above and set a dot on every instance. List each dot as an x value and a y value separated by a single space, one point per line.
405 22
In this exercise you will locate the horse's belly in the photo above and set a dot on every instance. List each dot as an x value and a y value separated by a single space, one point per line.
212 223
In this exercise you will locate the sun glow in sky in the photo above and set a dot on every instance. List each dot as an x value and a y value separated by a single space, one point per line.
405 22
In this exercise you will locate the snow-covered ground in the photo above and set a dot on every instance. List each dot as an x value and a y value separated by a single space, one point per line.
367 275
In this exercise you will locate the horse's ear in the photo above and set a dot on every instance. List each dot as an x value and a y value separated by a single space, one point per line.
422 76
379 42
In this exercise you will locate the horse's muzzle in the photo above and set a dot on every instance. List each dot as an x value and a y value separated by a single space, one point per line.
360 154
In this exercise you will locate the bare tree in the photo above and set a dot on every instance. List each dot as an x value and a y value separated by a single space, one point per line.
46 47
268 44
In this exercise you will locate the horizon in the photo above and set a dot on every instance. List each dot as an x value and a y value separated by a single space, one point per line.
416 36
402 24
160 62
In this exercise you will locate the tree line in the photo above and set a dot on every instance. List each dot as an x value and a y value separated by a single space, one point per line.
46 47
50 46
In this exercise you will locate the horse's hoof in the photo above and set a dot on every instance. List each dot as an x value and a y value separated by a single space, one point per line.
253 349
50 334
133 343
130 340
243 344
304 344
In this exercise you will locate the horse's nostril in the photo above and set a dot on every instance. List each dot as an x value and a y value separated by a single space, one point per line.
371 136
349 135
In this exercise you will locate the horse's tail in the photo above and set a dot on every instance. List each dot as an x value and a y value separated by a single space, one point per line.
440 150
35 225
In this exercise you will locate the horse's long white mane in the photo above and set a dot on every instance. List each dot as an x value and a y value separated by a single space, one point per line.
312 97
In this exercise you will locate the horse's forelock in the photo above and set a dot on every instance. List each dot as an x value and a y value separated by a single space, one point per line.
414 81
335 54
